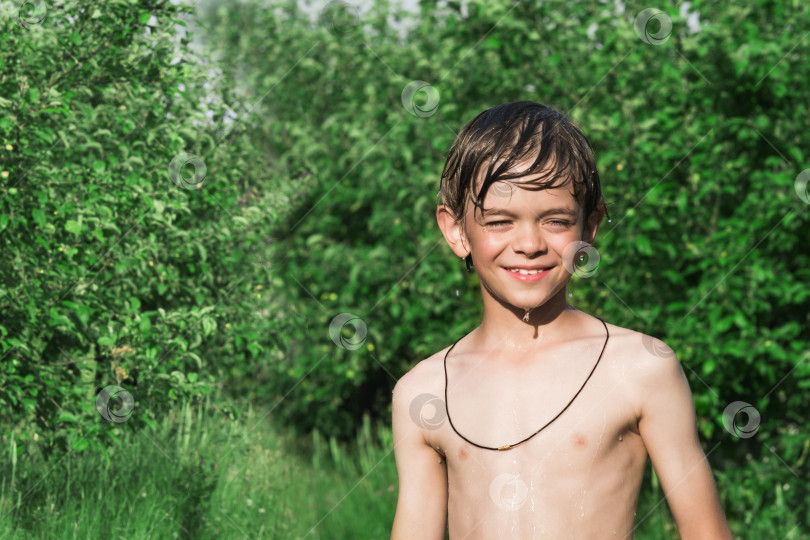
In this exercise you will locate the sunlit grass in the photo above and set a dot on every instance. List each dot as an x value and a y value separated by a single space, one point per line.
201 474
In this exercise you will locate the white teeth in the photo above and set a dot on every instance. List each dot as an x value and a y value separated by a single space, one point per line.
524 272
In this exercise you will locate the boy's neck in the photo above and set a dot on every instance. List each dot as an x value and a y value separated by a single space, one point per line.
503 328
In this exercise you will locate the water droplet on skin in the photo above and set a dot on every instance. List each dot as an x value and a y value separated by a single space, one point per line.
620 437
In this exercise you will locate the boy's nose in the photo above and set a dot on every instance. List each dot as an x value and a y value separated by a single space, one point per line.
529 241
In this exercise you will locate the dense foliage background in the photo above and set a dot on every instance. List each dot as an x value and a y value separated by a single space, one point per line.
118 267
258 219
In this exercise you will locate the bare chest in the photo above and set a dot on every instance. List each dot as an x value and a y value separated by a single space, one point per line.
555 428
580 445
582 469
568 416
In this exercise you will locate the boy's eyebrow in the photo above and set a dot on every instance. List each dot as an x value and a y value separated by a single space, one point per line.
504 212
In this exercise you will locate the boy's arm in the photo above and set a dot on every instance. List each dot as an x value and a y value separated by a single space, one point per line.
668 429
422 502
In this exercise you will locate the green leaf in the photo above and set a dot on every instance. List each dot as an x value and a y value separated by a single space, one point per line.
722 325
643 245
44 135
39 217
83 314
68 417
492 43
144 17
145 324
80 444
209 325
740 320
73 226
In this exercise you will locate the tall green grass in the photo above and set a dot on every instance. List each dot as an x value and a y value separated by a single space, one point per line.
201 473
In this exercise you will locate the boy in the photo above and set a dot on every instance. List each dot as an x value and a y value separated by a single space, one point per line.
538 423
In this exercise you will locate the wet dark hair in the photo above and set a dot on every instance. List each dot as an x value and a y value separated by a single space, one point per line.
515 133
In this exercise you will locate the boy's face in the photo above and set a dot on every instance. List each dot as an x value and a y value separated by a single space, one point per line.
536 230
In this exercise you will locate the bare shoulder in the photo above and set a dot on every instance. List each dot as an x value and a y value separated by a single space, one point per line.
418 401
641 351
426 377
648 362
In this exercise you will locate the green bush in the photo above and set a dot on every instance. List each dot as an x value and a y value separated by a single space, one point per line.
698 144
130 222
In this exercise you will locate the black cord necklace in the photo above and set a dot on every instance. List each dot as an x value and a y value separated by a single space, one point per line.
510 446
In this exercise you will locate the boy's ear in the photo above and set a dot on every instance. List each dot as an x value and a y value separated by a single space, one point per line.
589 231
452 231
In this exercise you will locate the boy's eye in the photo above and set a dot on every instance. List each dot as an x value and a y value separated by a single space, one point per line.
497 224
555 222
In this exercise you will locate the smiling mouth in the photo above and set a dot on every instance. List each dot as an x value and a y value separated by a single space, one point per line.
526 271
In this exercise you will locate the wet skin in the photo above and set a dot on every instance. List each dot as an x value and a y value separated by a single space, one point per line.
579 477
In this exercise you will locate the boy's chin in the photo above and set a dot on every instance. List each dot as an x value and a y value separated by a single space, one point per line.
546 299
520 303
